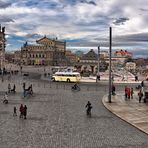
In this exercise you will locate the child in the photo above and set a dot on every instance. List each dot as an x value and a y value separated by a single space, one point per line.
14 111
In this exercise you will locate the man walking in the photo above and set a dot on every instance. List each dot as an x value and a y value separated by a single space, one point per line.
21 111
25 112
14 111
24 89
9 88
113 90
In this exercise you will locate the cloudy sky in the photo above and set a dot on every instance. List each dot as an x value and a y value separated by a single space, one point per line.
84 24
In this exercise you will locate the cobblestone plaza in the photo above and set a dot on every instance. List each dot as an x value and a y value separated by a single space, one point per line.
56 119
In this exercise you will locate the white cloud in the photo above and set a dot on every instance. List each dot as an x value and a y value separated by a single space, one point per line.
79 21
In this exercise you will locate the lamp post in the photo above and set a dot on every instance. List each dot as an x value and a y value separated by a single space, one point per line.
1 54
110 70
98 60
98 71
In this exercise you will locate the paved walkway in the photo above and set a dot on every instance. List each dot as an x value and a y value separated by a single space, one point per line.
129 110
56 119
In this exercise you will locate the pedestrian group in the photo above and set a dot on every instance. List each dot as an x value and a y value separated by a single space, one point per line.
22 108
129 92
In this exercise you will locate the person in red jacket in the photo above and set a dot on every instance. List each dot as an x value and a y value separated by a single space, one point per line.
126 91
21 111
129 93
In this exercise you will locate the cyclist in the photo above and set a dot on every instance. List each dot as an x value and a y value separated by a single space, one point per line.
75 86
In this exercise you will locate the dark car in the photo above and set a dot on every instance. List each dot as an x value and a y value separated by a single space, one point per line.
26 74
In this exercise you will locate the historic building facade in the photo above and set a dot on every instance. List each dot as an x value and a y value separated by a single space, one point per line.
2 47
71 57
17 57
88 62
119 57
123 53
45 52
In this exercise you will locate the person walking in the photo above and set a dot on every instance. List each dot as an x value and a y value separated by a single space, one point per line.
24 89
98 78
24 86
132 93
14 87
129 93
113 90
136 78
140 94
30 90
14 111
25 112
142 83
9 88
88 110
123 78
126 91
21 111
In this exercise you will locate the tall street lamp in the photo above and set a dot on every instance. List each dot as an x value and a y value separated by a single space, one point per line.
98 71
110 70
98 60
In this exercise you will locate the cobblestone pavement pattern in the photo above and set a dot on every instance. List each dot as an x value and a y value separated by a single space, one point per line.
56 119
